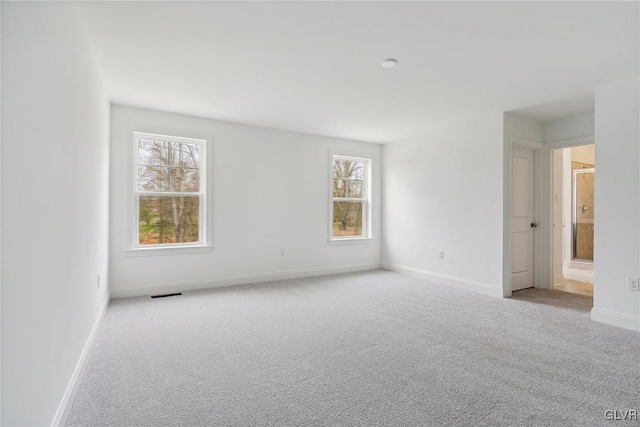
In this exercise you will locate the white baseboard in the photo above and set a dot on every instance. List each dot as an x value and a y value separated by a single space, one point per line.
244 279
65 405
616 319
581 265
457 282
578 274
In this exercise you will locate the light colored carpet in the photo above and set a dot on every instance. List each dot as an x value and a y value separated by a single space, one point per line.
372 348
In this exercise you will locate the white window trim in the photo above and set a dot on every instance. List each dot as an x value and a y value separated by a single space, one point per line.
203 246
368 204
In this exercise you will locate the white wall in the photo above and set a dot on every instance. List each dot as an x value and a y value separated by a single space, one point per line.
568 128
617 203
522 127
270 190
54 206
584 154
443 191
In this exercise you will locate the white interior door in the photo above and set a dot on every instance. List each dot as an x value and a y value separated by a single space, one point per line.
523 223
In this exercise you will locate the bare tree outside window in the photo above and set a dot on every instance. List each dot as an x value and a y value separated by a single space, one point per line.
168 190
349 197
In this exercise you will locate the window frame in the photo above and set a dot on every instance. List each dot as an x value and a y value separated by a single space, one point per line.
135 248
367 210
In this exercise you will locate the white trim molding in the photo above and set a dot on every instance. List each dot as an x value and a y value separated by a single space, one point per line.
616 319
62 413
244 279
469 285
571 142
529 144
168 250
353 241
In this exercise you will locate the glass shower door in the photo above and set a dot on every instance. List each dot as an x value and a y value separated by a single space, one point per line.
583 185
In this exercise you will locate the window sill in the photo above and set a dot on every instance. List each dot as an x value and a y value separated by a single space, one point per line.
170 250
352 241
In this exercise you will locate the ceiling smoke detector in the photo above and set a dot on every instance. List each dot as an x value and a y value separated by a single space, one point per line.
389 63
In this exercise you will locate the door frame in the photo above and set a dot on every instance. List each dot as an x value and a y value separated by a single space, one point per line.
547 166
537 148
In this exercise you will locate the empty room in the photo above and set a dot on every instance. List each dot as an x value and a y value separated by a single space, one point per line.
320 213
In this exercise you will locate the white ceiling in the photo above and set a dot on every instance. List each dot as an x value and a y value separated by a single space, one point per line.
315 67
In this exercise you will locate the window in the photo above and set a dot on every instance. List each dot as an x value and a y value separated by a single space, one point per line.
169 191
350 198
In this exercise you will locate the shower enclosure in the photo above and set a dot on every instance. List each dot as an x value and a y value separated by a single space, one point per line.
583 180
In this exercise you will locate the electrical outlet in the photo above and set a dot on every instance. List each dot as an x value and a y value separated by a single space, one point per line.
98 281
281 252
632 283
441 254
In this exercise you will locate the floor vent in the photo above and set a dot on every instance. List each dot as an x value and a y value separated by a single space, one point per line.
166 295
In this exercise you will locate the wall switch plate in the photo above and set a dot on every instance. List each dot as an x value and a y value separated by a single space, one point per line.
632 283
440 254
281 252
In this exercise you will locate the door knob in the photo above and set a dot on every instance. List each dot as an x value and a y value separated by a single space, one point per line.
534 224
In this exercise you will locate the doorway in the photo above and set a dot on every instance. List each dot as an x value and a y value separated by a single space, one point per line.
573 178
